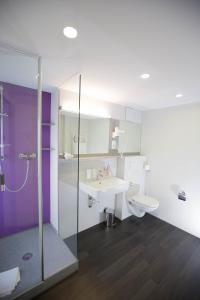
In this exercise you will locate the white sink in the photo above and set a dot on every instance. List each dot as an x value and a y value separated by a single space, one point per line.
108 184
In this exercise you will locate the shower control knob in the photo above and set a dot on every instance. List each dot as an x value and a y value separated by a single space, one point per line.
2 183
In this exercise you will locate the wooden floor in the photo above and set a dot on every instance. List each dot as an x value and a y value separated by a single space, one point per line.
139 259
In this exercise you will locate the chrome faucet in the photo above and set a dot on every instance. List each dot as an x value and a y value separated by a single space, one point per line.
100 174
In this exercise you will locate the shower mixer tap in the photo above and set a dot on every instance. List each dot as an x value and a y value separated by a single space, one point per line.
27 156
2 183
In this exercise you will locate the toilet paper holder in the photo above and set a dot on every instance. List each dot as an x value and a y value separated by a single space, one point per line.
182 196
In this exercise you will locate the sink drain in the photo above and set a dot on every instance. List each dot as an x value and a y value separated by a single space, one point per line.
27 256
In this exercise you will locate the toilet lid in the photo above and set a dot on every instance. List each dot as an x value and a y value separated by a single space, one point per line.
146 201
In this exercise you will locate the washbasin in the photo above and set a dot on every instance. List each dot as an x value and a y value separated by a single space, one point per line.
108 184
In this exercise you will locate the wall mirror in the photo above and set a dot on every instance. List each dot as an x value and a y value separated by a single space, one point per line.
97 135
94 134
126 136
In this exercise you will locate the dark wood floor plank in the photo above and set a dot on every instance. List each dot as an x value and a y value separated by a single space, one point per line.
140 259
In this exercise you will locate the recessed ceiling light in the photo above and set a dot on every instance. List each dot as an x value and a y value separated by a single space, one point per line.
179 95
145 76
70 32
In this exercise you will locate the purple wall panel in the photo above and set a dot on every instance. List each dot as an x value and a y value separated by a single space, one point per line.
46 118
19 211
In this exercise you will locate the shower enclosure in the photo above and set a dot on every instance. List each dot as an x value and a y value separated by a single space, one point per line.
30 239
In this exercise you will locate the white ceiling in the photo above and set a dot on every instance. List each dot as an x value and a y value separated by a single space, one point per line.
118 41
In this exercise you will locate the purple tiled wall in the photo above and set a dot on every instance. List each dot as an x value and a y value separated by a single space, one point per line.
19 211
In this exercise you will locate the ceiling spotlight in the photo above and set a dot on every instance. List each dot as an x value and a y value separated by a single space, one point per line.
70 32
179 95
145 76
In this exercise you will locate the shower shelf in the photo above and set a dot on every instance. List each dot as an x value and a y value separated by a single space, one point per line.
4 145
48 124
47 149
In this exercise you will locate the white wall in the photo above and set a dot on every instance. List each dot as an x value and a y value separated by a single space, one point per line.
171 143
69 101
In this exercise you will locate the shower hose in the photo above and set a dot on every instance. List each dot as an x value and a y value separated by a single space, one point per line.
24 183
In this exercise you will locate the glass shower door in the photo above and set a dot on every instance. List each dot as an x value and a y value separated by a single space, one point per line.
20 254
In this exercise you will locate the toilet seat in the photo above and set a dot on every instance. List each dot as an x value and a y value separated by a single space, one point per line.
145 201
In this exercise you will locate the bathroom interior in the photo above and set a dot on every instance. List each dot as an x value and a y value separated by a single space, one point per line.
73 160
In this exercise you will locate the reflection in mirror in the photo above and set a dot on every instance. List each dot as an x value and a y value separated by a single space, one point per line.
94 135
129 137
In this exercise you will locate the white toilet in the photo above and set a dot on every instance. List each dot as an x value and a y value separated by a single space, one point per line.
138 204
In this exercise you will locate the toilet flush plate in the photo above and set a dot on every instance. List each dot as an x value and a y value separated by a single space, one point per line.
110 184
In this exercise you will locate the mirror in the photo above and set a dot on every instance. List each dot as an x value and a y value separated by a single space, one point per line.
94 134
130 138
126 136
97 135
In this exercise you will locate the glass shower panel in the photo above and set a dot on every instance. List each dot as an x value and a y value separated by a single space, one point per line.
19 234
60 233
69 125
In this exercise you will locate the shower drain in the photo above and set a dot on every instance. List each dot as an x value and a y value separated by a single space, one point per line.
27 256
